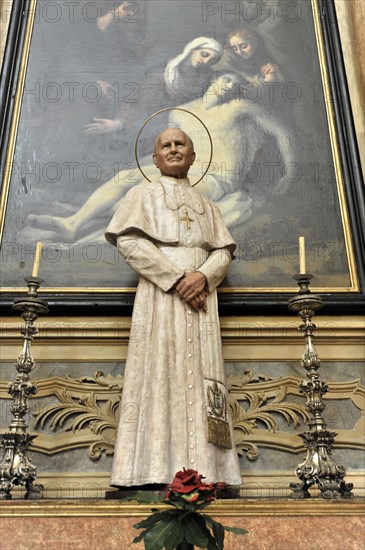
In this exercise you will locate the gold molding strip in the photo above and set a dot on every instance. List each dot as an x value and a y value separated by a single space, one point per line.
245 351
117 328
105 339
334 147
351 17
226 290
224 508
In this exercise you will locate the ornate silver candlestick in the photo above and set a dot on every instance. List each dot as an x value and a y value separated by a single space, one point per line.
319 466
15 466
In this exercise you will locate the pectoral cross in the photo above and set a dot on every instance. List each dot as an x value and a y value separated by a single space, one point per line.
186 218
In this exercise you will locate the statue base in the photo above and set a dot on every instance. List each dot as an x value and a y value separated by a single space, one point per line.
141 493
144 493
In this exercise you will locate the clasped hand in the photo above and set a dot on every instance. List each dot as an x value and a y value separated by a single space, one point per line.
191 289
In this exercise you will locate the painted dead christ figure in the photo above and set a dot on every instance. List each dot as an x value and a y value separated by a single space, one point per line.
173 412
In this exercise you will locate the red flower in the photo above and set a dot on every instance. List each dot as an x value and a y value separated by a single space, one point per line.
207 487
187 486
186 481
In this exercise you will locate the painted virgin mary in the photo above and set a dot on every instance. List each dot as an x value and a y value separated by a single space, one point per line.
186 77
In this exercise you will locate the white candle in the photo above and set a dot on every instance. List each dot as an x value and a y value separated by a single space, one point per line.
302 266
37 259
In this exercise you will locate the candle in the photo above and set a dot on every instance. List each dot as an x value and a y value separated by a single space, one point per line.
302 266
37 259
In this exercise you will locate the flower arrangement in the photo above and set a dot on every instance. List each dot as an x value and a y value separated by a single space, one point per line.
183 523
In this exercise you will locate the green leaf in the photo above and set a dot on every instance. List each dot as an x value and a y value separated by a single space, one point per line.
236 530
176 512
179 519
204 504
157 536
151 520
189 506
218 532
195 530
139 537
144 497
177 536
212 545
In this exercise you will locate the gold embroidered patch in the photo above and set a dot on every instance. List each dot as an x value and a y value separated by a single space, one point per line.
218 427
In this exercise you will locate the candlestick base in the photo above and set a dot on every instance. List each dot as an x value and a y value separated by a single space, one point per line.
16 467
320 468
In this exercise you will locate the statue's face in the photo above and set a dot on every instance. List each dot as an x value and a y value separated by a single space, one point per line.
243 46
203 56
173 154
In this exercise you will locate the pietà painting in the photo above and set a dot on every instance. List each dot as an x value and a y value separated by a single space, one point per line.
253 72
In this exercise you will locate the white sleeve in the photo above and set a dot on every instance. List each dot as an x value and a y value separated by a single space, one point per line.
216 267
148 261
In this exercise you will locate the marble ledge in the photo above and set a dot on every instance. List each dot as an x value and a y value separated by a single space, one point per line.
223 508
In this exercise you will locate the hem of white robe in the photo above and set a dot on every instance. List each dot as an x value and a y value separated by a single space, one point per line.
148 480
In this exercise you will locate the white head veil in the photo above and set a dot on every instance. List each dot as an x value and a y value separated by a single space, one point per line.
172 68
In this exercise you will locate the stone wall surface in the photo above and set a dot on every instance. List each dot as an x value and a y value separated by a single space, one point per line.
269 533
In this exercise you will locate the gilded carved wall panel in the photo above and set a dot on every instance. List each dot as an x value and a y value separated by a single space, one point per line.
74 413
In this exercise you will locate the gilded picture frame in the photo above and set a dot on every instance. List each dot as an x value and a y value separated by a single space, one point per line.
62 141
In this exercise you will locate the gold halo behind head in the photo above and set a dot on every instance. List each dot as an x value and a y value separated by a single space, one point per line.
164 111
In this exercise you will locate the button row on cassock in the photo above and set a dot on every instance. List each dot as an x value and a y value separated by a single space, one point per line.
190 387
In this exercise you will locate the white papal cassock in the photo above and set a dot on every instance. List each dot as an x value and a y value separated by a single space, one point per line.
174 398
